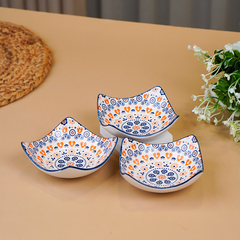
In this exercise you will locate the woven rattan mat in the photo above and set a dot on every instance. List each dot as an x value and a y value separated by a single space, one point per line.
24 62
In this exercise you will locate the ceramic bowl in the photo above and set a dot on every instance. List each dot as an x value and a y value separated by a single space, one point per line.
140 117
161 168
162 138
70 150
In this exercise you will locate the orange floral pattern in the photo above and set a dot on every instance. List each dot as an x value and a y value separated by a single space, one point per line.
70 145
161 165
143 115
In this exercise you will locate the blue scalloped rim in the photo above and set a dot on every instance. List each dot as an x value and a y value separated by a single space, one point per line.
140 136
46 170
120 154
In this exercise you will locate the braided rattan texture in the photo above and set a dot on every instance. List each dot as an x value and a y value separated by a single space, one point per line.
24 62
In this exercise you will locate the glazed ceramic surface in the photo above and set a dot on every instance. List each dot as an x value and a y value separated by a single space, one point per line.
142 116
70 150
161 167
162 138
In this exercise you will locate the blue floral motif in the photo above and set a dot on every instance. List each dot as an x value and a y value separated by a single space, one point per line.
163 105
58 150
113 101
45 139
152 100
141 147
152 104
110 107
162 165
72 132
184 147
64 122
86 134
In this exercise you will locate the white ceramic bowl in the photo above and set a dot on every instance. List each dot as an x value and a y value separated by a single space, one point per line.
70 150
161 168
140 117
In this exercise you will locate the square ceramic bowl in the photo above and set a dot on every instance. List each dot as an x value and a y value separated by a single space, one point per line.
70 150
161 168
140 117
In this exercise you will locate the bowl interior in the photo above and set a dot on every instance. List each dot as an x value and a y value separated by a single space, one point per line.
69 145
143 115
161 165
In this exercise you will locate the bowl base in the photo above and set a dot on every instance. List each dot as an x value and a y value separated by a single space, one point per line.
165 137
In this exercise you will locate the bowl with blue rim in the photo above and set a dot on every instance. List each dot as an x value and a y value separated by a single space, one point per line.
161 168
70 150
144 117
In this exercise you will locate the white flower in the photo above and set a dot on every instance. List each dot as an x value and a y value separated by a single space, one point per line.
195 110
204 78
208 92
237 138
228 47
236 46
232 89
215 121
213 94
233 129
197 49
227 123
237 114
189 47
198 55
194 97
208 119
222 104
202 117
237 95
209 66
227 76
220 55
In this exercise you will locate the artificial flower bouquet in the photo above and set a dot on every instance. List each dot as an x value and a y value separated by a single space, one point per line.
221 87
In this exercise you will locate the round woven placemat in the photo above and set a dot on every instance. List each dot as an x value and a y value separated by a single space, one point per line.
24 62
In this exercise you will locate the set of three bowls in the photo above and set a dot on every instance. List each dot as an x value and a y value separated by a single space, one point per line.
137 128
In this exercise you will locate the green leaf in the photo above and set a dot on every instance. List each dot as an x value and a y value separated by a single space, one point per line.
221 88
222 95
237 65
217 51
223 82
227 102
236 53
228 54
223 99
236 75
237 107
229 70
217 60
229 62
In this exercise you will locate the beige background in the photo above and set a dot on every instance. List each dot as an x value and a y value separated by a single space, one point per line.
120 59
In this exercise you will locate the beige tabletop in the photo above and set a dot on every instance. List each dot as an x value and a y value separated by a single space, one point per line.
119 59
